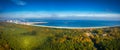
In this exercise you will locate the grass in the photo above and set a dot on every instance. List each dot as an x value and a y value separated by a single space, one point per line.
23 37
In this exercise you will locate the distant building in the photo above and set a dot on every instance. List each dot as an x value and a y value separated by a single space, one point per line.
18 22
13 21
24 23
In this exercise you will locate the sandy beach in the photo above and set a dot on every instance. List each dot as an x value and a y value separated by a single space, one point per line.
75 27
34 24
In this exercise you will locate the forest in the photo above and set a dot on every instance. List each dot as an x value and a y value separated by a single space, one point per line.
24 37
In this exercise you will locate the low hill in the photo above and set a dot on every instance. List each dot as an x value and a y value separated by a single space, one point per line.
24 37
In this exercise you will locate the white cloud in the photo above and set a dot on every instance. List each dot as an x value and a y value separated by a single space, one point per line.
80 14
19 2
43 14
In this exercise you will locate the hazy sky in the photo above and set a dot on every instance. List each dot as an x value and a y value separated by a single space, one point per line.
61 8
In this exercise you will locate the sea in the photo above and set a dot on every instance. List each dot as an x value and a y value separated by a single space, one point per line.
76 23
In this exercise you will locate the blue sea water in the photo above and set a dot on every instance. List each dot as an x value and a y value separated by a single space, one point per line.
77 23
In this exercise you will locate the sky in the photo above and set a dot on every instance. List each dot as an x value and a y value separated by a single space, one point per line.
62 9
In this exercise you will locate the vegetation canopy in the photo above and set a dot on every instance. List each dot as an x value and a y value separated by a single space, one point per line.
23 37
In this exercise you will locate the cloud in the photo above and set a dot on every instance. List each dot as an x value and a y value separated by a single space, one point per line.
19 2
65 15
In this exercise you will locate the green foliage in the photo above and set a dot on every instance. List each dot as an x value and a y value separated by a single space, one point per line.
22 37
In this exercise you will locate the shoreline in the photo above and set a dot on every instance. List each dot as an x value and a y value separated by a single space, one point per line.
33 24
75 27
